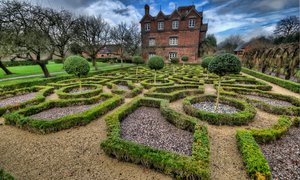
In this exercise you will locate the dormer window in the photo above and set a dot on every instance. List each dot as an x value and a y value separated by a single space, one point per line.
175 24
192 23
160 26
147 26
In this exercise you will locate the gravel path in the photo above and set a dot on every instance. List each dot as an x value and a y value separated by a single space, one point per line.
210 107
273 102
209 89
283 155
68 154
122 87
77 91
17 99
148 127
55 113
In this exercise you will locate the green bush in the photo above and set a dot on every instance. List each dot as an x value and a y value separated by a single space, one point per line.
184 58
176 165
205 62
19 63
156 63
58 61
293 86
63 93
138 60
77 65
174 60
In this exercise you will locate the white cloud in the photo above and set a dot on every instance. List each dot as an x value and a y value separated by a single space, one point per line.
107 8
260 31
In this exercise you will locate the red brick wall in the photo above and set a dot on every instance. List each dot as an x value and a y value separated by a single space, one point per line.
188 39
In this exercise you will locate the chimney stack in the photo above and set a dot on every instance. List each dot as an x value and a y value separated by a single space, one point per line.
147 9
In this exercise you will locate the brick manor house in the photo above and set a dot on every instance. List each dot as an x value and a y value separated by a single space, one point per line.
174 35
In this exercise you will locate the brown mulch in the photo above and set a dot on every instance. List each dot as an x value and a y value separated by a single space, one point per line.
148 127
17 99
283 155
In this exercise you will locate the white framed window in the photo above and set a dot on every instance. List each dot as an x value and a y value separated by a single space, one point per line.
172 55
151 55
192 23
152 42
173 41
175 24
160 25
147 26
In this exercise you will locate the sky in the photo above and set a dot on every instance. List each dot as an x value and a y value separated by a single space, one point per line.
249 18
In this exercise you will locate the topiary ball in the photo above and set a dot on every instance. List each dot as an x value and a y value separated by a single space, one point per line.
184 58
205 62
174 60
225 64
77 65
156 63
137 60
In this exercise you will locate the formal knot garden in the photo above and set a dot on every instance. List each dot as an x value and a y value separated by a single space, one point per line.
208 121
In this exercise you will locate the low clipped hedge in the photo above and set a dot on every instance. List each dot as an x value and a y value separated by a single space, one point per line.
280 110
20 63
176 165
21 118
5 176
293 86
148 83
256 165
243 117
89 80
133 89
173 93
257 85
64 93
43 91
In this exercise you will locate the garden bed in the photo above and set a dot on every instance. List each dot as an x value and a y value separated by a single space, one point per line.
149 83
147 126
181 166
73 91
283 155
124 87
90 108
245 112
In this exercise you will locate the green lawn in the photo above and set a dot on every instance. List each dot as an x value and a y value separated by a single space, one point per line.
29 70
52 67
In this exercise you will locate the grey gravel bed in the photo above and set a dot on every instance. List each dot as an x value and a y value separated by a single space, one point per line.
210 107
77 91
148 127
124 88
283 155
273 102
17 99
55 113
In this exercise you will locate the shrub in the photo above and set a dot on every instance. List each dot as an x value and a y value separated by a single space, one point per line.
184 58
78 66
221 65
5 176
58 61
156 63
137 60
174 61
205 62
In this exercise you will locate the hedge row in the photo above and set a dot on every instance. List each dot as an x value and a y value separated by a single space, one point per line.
173 93
43 91
64 93
293 110
68 82
256 165
133 89
5 176
243 117
21 118
44 81
293 86
159 82
20 63
176 165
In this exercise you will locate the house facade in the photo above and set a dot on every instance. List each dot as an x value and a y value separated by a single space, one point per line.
174 35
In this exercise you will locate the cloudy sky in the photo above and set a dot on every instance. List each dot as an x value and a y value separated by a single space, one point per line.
249 18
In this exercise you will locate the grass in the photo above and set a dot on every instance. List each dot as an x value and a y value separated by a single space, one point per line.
52 67
35 69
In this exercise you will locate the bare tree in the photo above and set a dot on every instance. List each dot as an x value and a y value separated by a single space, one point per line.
287 26
120 36
92 34
230 43
133 43
209 45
